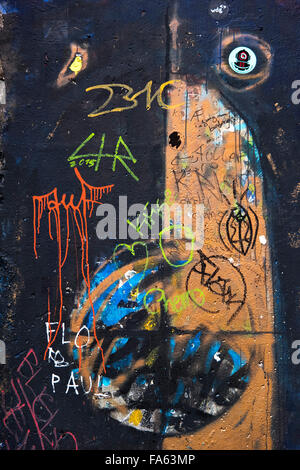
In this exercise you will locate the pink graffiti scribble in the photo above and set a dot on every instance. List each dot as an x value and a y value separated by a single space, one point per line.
28 421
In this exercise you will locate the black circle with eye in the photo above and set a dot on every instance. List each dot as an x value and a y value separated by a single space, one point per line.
242 61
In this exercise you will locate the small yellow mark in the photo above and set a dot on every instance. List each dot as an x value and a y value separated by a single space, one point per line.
251 188
150 324
247 325
152 357
76 65
136 417
134 293
207 132
152 321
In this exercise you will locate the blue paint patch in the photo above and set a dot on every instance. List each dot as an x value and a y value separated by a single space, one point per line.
75 353
119 344
218 139
238 361
192 346
105 381
180 262
250 196
76 373
244 179
141 380
6 8
253 157
106 271
168 414
30 76
172 348
179 392
112 314
245 379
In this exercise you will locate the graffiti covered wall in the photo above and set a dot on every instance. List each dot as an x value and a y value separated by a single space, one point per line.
149 224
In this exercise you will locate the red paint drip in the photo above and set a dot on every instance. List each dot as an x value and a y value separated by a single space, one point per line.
90 195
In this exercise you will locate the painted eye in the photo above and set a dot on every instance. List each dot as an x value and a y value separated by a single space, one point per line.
160 378
242 61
